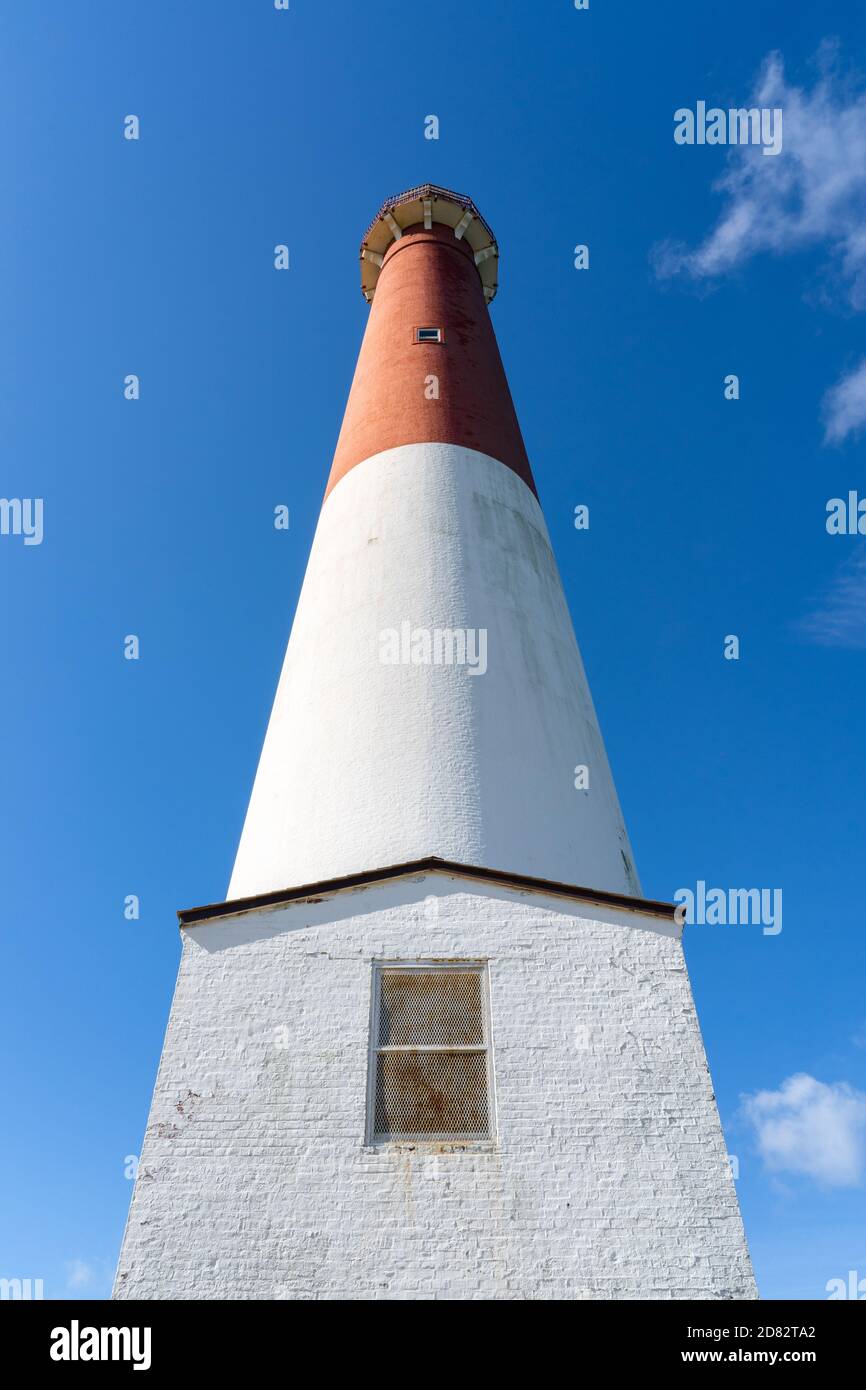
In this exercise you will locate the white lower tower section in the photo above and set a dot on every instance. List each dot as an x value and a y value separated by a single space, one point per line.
367 763
607 1176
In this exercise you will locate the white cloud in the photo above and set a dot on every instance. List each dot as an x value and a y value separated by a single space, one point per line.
845 405
78 1274
811 1128
813 193
839 618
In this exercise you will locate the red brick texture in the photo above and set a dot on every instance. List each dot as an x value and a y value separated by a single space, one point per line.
429 280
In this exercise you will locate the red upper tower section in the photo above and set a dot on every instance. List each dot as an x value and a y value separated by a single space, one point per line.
429 261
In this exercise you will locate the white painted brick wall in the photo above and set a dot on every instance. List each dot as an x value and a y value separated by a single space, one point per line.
608 1178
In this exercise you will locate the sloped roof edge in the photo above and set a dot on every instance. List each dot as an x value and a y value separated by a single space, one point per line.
188 917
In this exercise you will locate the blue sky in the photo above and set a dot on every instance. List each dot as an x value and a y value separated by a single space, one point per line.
707 516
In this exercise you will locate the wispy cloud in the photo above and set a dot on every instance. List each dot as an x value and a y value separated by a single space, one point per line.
814 193
811 1128
89 1279
845 405
839 617
79 1274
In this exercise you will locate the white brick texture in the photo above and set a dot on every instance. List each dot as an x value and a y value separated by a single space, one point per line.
608 1175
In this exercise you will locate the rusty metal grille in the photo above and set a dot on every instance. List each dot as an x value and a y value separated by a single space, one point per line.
431 1008
430 1059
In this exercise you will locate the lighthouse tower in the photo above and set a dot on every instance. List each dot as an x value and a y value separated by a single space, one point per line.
435 1043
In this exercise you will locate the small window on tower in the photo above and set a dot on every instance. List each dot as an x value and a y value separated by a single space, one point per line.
429 335
430 1064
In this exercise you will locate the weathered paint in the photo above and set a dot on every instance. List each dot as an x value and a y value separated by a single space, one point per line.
608 1176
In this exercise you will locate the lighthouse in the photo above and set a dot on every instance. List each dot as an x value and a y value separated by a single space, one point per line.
435 1043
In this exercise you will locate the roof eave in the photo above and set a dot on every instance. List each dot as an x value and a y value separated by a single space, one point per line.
191 916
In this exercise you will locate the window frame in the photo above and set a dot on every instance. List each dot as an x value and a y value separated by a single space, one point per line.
428 328
429 966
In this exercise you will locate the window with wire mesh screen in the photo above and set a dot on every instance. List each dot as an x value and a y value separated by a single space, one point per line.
430 1064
